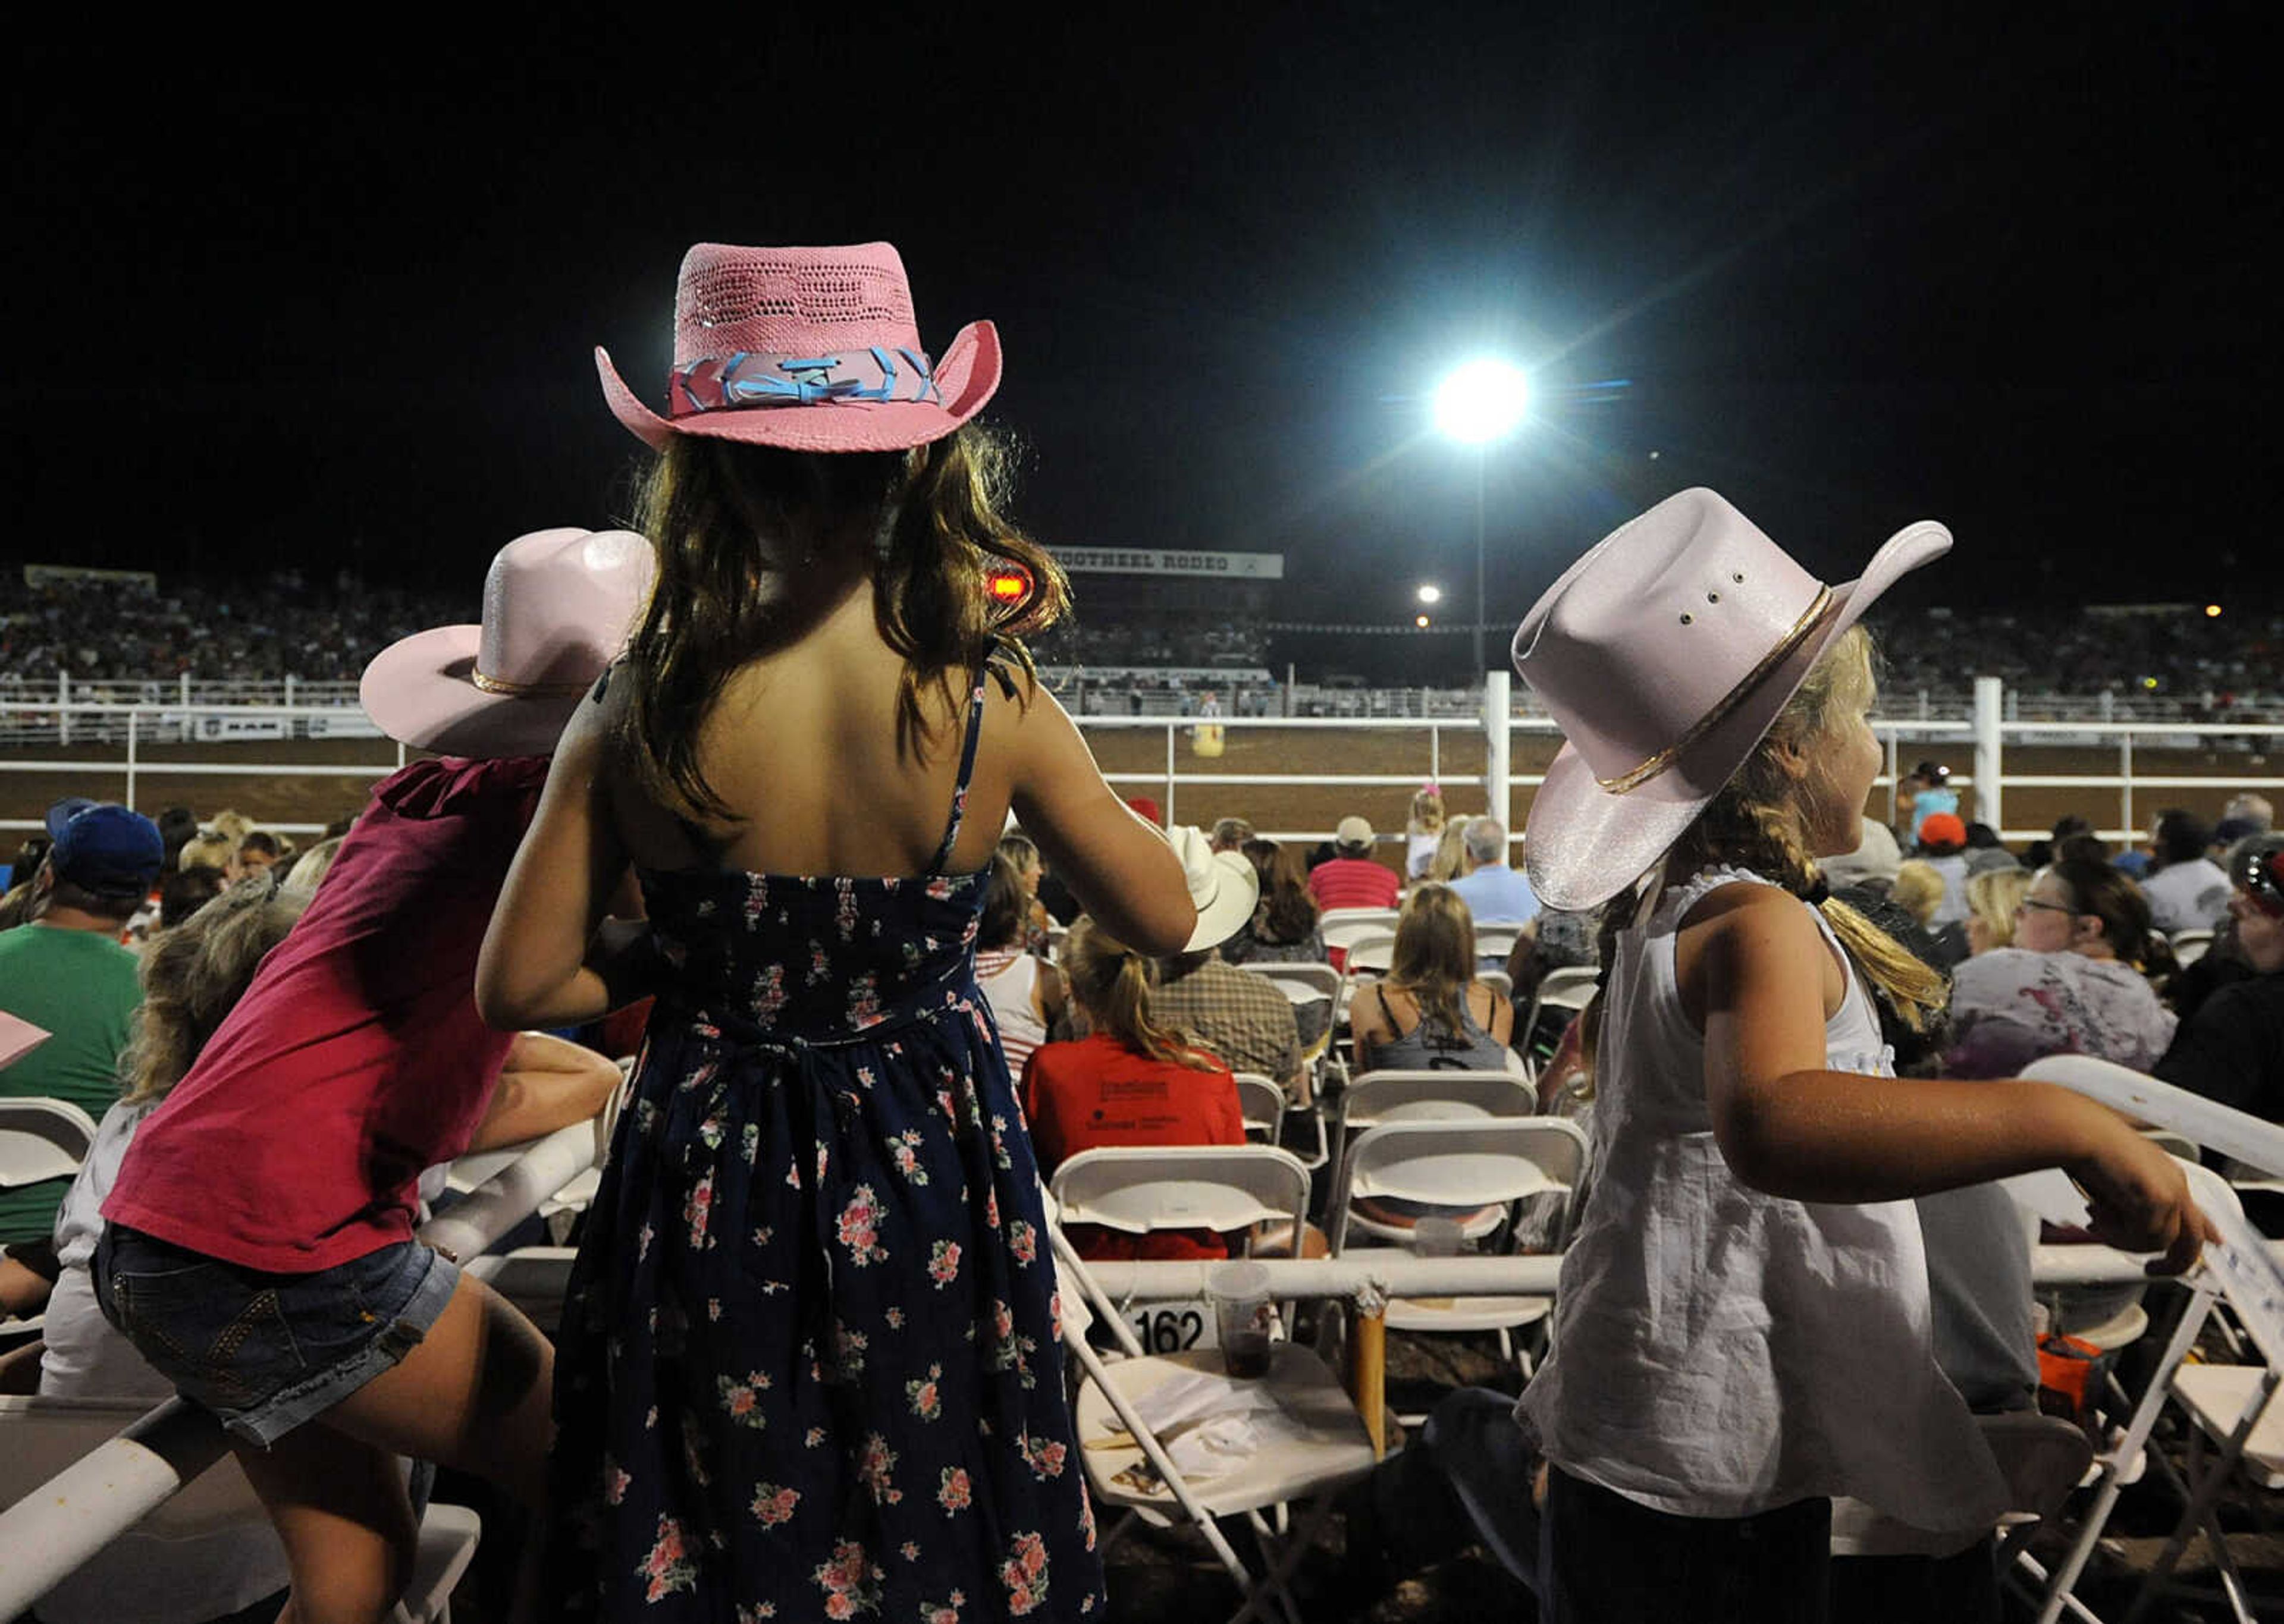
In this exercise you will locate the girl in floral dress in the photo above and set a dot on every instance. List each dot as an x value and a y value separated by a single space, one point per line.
808 1365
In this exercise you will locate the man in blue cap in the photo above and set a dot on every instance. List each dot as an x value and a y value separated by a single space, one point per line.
66 973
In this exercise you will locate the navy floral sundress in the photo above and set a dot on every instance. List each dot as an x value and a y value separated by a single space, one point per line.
808 1366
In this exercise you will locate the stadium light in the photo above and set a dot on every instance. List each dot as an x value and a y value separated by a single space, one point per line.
1421 620
1483 401
1430 593
2212 612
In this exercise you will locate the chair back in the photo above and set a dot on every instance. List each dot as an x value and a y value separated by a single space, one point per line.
1371 952
1497 940
1443 1094
1478 1163
1138 1189
42 1139
1262 1103
1561 994
2190 946
1340 926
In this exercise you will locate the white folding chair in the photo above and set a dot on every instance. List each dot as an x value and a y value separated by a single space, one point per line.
1567 990
2042 1458
1341 927
1443 1095
40 1139
1479 1170
2190 946
1318 1446
1261 1101
1497 940
40 1437
1314 991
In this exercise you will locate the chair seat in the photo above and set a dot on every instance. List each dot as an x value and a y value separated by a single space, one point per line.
2216 1396
1466 1313
1337 1449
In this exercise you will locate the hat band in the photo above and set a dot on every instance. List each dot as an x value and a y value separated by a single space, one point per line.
758 378
502 685
1728 702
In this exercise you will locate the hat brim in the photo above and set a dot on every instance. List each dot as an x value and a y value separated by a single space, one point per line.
1584 844
1223 912
421 691
966 379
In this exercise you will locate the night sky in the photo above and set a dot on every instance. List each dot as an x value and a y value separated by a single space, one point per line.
268 309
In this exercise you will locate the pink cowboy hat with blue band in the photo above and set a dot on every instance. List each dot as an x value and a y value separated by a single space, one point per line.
809 349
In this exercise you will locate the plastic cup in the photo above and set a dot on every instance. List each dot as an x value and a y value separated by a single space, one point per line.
1437 1237
1243 1312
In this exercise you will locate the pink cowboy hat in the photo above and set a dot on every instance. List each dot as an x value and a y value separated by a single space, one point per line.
1665 653
813 350
558 607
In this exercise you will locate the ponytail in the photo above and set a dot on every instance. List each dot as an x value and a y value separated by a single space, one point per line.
1113 983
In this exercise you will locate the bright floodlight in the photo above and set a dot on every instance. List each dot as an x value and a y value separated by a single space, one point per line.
1481 402
1431 594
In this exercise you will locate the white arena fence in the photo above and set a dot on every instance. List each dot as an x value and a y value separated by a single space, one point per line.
139 715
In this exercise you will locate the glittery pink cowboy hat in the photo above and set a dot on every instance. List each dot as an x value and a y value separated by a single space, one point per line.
1665 653
813 350
558 607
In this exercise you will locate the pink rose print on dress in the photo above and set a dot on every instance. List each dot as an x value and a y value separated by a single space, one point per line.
848 1350
850 1584
758 1612
667 1568
943 1263
844 913
1086 1516
1025 1574
904 1151
820 968
741 1401
813 1438
909 1551
943 1611
876 1466
864 1000
951 1489
696 1209
1044 1456
860 1228
991 1208
757 898
615 1483
774 1505
1023 1242
768 994
927 1402
894 1318
1055 1315
938 889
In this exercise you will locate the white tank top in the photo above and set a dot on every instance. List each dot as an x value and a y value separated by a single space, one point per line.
1009 990
1719 1352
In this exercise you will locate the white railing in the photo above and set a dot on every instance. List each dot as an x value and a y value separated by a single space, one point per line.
1988 725
48 1535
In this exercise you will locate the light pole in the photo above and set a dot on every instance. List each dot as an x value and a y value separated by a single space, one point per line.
1479 402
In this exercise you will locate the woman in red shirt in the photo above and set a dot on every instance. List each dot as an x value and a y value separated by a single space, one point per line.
1133 1081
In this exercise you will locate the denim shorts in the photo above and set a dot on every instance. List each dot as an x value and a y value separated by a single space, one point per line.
268 1352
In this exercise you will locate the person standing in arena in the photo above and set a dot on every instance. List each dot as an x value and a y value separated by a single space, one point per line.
260 1250
1746 1328
809 1360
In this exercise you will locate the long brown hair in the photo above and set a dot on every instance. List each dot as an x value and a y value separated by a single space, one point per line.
193 975
1435 955
1288 912
731 522
1112 983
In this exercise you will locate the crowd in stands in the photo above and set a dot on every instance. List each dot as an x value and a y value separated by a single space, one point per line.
286 623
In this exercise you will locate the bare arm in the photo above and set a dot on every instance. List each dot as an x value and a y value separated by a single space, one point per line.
1369 1024
545 961
547 1083
22 1291
1790 1126
1118 866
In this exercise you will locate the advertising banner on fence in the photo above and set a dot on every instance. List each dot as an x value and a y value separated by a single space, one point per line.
1160 561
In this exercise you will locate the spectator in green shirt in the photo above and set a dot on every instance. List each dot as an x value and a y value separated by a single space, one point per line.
66 972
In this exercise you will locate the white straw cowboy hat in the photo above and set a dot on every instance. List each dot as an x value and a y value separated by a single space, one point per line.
1223 887
558 607
1665 654
812 349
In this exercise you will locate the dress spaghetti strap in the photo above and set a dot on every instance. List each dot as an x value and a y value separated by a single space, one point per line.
966 771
